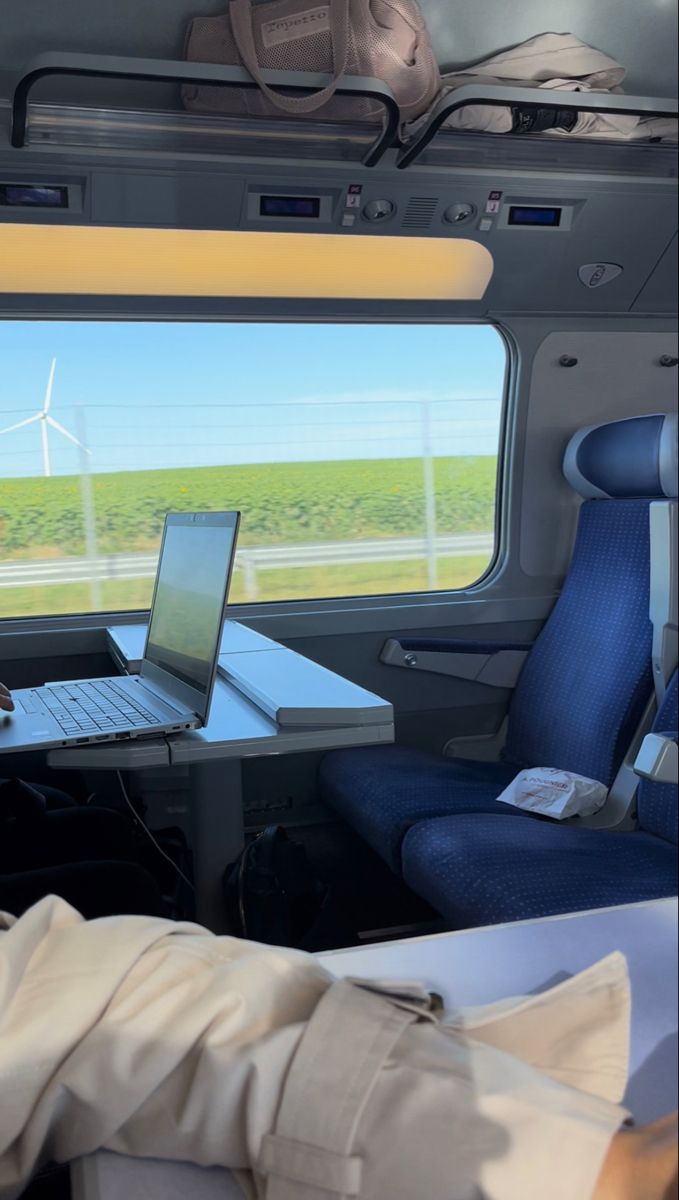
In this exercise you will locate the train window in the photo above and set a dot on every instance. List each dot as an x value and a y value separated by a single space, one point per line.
363 456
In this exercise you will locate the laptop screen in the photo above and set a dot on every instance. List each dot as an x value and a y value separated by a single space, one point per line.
188 605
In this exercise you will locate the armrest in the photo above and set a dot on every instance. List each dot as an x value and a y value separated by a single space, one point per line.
497 664
658 758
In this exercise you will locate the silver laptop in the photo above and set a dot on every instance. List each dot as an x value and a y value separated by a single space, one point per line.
173 689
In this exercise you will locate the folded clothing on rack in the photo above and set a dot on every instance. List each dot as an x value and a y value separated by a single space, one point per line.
555 62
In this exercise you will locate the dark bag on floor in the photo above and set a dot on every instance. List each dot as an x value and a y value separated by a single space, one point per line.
273 895
20 805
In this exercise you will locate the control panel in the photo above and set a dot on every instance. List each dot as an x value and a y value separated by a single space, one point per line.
351 207
563 243
370 208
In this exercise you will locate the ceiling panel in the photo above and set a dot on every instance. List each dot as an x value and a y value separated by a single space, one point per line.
642 37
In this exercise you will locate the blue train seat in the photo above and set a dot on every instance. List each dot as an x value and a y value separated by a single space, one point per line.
482 870
587 679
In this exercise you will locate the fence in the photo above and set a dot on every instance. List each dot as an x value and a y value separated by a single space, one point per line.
111 438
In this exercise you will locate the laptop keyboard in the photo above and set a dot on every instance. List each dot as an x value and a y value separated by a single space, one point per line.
95 708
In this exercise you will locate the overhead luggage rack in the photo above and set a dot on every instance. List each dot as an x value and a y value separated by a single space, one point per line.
45 124
66 125
71 123
543 152
523 99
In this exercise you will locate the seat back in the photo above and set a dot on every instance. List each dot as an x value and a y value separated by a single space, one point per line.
588 679
657 802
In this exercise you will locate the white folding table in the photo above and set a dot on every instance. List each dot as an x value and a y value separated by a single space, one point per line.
238 728
476 966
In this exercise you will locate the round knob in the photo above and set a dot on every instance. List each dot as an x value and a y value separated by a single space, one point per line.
457 214
410 659
379 210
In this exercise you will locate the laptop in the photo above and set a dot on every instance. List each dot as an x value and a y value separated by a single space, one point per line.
173 689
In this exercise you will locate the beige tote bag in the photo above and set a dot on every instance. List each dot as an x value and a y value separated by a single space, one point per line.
382 39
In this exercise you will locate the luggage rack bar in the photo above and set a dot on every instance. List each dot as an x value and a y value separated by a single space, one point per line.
119 128
531 99
154 70
196 134
540 154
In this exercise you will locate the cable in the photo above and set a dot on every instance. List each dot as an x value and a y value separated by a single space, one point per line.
148 833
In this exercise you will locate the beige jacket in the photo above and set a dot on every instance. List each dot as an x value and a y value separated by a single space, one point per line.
154 1038
556 62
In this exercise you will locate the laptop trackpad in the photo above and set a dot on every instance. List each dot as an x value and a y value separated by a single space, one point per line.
23 730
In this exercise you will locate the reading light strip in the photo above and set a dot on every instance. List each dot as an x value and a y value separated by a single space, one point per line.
95 260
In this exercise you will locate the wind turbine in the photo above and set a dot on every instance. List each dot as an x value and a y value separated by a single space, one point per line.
45 419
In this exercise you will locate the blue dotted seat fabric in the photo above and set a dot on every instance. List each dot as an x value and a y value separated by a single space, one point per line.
588 678
482 870
383 790
579 699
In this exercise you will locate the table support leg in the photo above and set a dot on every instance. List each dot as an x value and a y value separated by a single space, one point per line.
217 834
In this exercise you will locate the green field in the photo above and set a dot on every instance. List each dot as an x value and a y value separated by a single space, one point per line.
353 579
281 503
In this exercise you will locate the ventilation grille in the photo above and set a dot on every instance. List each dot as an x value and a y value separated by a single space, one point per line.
419 213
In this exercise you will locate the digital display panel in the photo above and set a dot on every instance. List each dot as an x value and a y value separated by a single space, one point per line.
289 206
520 215
30 195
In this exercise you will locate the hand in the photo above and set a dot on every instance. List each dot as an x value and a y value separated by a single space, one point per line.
642 1164
6 702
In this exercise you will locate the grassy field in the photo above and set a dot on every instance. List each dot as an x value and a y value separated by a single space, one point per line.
281 503
290 584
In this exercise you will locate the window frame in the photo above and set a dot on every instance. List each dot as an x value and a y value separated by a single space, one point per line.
432 608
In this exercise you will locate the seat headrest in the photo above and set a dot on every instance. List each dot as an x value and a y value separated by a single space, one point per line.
635 458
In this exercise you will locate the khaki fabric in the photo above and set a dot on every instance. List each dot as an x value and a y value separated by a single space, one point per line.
158 1039
555 62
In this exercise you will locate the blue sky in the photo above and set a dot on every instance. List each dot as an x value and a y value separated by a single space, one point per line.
163 394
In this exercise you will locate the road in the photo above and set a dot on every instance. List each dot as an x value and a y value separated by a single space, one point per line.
19 573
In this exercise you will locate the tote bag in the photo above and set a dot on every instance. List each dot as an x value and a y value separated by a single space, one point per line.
382 39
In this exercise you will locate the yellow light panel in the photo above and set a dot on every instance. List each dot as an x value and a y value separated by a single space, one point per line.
90 260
